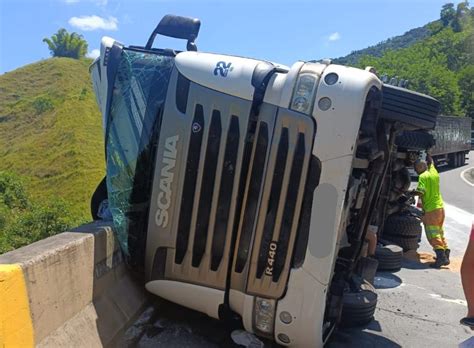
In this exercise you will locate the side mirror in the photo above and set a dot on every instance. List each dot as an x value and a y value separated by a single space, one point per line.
178 27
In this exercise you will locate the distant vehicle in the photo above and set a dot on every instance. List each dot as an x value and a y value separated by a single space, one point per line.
452 140
448 143
472 139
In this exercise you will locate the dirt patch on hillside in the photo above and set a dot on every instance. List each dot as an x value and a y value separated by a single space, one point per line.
455 265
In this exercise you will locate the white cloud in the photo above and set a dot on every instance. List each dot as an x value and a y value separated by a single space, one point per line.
89 23
93 54
100 2
334 36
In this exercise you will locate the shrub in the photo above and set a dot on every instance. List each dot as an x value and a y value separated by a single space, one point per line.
83 94
23 221
42 104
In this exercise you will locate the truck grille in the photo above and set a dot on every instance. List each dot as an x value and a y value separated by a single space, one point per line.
242 177
272 202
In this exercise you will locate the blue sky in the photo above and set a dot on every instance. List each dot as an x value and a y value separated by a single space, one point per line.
280 31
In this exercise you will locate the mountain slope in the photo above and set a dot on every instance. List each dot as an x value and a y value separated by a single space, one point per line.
397 42
437 59
51 132
440 65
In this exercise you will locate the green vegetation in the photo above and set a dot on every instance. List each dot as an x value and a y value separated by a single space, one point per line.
440 65
65 44
50 136
402 41
23 221
42 104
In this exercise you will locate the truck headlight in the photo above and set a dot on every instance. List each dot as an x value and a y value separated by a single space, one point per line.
264 315
303 94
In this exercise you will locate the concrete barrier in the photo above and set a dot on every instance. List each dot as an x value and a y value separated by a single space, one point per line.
71 290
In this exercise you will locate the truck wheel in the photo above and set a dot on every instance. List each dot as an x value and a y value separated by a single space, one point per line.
99 195
359 306
462 159
414 140
453 160
414 110
457 159
405 243
402 225
389 257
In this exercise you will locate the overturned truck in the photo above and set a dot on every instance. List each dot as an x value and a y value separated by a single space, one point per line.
243 188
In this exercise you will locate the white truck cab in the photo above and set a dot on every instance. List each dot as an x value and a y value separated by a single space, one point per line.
242 188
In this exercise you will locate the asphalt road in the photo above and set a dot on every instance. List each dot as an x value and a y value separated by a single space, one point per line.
417 307
455 191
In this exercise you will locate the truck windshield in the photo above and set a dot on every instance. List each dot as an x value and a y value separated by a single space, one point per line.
138 96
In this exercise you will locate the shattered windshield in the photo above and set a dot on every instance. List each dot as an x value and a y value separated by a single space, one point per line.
137 101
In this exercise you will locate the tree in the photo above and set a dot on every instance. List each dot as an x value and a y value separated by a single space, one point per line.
64 44
466 84
462 9
448 13
462 14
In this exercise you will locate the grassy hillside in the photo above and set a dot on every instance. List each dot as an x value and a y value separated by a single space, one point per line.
51 133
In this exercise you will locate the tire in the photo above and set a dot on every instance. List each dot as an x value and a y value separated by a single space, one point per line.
99 195
405 243
414 140
452 160
389 257
414 110
359 307
402 225
462 159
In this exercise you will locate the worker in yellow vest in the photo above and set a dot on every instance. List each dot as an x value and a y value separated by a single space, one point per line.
433 208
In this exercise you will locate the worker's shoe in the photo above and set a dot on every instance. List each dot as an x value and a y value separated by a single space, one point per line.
447 252
441 259
468 321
